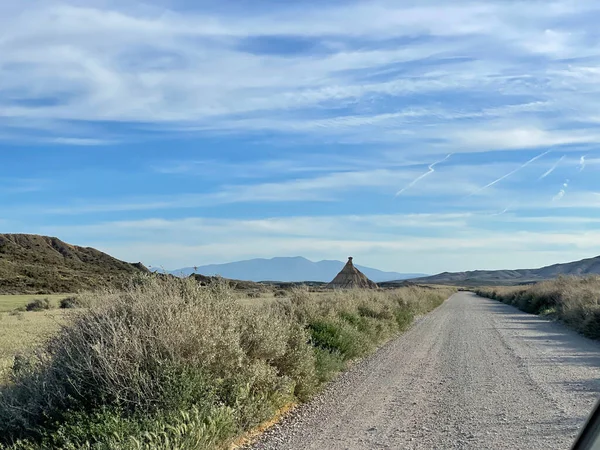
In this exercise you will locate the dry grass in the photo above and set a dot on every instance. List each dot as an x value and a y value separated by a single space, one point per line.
170 364
21 331
574 300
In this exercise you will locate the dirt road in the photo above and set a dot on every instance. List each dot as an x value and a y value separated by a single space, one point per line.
474 374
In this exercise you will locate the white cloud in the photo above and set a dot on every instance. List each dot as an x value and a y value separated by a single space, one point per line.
79 141
518 138
180 230
278 181
431 249
323 188
187 69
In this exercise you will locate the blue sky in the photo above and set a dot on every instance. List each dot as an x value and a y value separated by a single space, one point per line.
415 136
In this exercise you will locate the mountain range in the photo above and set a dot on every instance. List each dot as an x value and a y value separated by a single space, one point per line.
589 266
287 269
32 264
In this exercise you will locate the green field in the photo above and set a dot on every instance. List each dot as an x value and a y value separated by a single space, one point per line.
12 302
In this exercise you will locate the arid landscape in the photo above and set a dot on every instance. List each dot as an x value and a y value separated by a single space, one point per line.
159 361
299 225
166 365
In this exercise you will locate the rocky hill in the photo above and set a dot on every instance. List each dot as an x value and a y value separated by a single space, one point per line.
32 264
587 266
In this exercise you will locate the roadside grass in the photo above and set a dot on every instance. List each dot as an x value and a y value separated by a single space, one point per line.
573 300
22 331
169 364
12 302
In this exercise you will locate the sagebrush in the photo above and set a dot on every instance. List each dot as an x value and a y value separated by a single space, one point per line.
574 300
171 364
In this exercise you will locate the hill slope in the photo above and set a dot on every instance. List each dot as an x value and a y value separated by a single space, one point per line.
587 266
31 264
287 269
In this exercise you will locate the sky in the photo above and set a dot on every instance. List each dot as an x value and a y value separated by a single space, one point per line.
420 136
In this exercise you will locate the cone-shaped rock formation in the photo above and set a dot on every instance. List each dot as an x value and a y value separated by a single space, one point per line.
350 277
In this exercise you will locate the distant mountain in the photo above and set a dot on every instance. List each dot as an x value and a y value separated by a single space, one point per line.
587 266
287 269
32 264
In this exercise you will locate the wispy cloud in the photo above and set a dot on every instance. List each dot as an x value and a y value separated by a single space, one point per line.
430 170
12 186
322 188
287 109
292 70
80 141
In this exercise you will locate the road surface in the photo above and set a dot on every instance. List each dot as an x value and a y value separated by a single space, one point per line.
473 374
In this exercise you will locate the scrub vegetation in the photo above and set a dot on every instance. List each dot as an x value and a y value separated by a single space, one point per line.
168 363
573 300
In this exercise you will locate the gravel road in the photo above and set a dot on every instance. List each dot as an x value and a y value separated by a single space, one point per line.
473 374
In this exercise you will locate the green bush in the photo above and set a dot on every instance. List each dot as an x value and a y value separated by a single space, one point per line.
339 337
169 363
328 364
38 304
404 318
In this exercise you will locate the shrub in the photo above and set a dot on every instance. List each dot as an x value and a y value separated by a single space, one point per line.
404 318
279 293
38 304
169 363
574 300
328 364
339 337
70 302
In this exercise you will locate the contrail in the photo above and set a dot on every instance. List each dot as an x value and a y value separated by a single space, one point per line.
549 171
420 177
562 192
510 173
501 212
504 210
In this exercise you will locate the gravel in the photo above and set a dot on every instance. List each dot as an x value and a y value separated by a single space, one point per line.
473 374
